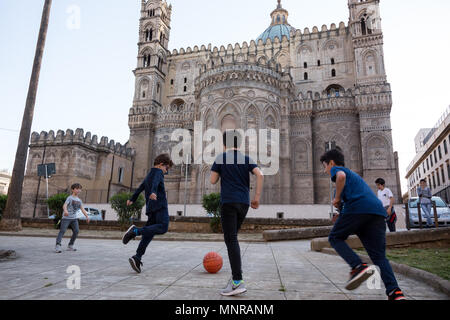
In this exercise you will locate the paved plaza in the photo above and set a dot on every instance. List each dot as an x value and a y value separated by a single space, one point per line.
173 270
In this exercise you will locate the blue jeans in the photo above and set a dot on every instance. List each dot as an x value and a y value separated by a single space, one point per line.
371 230
65 223
426 210
157 224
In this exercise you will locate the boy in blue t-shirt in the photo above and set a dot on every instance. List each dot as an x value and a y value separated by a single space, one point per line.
361 213
233 169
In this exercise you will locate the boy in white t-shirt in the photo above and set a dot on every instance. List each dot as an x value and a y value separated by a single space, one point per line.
387 198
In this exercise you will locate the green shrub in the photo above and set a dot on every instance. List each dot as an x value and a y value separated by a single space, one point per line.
211 203
55 205
3 198
119 204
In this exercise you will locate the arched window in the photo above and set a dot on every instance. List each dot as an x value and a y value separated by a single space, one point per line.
333 73
305 76
147 59
363 26
149 35
334 90
305 65
318 63
333 61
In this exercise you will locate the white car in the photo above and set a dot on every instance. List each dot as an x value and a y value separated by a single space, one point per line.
443 212
93 214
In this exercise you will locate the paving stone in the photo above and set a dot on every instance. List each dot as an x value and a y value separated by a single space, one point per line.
174 271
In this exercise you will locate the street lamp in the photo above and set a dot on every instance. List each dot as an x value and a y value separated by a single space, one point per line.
330 145
187 162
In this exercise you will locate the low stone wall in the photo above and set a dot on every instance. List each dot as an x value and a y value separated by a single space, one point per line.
296 233
427 238
192 224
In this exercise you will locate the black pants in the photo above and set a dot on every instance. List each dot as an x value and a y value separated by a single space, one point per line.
232 216
371 230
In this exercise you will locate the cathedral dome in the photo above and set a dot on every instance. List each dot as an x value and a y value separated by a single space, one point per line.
279 26
279 31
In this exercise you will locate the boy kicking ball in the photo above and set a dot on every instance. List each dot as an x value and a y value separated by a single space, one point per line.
361 214
156 209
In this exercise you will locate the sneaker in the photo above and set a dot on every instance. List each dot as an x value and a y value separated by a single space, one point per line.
136 264
358 276
130 234
232 289
71 248
397 294
58 248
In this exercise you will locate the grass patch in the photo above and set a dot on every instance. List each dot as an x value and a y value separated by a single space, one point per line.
436 261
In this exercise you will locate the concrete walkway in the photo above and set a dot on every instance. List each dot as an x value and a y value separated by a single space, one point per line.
173 270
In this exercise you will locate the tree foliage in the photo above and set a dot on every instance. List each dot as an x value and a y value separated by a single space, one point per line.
211 203
126 213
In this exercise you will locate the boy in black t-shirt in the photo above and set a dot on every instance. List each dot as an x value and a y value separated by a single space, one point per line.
233 169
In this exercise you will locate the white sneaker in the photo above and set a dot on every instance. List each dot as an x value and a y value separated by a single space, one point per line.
232 289
58 248
71 248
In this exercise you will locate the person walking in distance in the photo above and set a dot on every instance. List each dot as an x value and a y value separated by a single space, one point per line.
386 197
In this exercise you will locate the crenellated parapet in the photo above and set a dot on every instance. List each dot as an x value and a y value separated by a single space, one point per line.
269 45
79 138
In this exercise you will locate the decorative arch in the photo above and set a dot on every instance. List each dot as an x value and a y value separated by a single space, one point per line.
334 90
252 117
377 150
229 108
206 186
301 149
262 61
144 88
270 112
370 63
177 105
330 45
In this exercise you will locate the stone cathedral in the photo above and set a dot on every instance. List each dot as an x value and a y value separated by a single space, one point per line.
316 86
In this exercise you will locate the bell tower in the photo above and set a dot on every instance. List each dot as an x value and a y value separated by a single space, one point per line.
150 73
365 26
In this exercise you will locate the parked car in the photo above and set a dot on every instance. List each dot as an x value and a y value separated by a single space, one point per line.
443 212
93 213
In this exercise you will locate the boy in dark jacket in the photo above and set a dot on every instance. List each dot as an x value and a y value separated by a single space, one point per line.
156 209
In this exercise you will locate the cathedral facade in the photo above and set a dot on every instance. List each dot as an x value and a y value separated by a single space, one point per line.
320 87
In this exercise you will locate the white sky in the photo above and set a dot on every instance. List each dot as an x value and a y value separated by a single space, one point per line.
87 82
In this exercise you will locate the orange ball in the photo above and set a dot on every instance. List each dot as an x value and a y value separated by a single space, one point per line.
212 262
